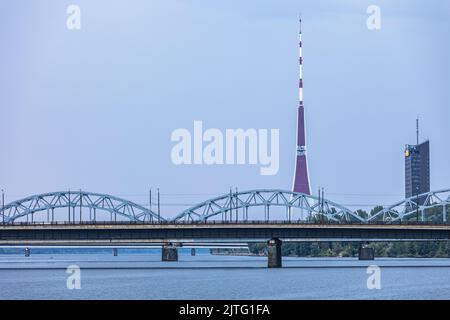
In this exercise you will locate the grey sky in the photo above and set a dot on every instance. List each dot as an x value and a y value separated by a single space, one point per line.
94 108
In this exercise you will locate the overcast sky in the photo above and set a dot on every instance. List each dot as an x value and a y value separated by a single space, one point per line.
94 108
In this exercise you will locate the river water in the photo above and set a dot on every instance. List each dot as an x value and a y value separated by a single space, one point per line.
205 276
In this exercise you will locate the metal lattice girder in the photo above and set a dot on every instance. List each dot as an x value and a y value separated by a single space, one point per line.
224 204
76 199
267 198
409 207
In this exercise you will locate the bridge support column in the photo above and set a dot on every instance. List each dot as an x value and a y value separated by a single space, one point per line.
169 253
193 252
274 253
366 252
115 252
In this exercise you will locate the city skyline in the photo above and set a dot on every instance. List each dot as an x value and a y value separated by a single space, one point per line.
110 131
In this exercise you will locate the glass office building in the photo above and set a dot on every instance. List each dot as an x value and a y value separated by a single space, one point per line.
417 169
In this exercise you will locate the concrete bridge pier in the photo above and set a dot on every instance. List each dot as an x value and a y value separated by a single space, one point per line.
169 252
274 253
366 252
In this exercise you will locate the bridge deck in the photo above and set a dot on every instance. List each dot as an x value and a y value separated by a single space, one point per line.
140 233
220 225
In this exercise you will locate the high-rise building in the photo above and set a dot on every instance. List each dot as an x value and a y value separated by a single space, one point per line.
301 177
417 168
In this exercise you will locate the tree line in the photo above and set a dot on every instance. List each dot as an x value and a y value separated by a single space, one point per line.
425 249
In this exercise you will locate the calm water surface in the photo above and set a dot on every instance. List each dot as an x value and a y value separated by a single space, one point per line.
205 276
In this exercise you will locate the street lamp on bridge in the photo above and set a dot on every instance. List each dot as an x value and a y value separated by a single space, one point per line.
417 204
3 206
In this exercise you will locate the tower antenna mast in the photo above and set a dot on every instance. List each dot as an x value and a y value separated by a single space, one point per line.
301 178
417 129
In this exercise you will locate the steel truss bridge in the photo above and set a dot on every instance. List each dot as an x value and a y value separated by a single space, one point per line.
220 221
432 207
48 202
428 207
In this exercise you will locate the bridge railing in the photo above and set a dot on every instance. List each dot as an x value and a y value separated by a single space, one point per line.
220 222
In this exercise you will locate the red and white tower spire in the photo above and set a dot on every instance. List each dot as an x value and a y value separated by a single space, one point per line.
301 178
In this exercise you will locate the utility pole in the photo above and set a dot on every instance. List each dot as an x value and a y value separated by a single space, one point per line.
74 207
69 205
231 207
323 202
150 201
417 203
320 206
237 212
159 208
3 206
81 204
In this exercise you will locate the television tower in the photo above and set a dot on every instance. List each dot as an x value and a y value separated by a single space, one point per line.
301 178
